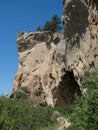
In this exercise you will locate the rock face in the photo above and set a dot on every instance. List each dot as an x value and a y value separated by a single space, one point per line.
80 19
51 66
41 64
42 70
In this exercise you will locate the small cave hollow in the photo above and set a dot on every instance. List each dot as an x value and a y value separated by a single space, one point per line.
67 89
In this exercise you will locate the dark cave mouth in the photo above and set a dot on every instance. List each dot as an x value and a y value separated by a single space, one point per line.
67 89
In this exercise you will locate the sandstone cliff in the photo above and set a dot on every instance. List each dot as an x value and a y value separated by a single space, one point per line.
52 66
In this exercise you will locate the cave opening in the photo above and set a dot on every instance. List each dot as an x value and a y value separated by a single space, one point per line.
67 89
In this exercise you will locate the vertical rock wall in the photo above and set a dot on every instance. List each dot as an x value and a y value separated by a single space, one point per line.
47 67
42 69
41 64
80 19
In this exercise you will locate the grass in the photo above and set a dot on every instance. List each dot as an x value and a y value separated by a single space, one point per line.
49 127
65 110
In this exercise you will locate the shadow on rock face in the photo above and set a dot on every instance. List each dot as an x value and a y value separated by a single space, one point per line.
96 2
76 21
67 89
93 3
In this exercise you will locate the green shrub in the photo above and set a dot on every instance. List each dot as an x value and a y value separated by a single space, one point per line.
23 115
65 110
37 92
48 45
85 115
25 89
21 93
53 126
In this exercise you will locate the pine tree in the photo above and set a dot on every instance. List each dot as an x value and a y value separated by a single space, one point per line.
54 25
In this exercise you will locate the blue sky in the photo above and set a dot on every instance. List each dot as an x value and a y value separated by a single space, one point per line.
20 16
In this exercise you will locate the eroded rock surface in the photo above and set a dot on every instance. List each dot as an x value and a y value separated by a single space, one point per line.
80 19
51 64
42 69
41 64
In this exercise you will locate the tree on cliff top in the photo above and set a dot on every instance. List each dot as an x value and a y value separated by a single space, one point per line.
54 25
38 28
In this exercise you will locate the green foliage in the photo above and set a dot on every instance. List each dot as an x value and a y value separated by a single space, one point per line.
23 115
48 44
38 28
37 92
25 89
54 25
22 93
85 115
53 126
65 110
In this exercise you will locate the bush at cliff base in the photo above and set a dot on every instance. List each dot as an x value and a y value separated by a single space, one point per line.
23 115
85 115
